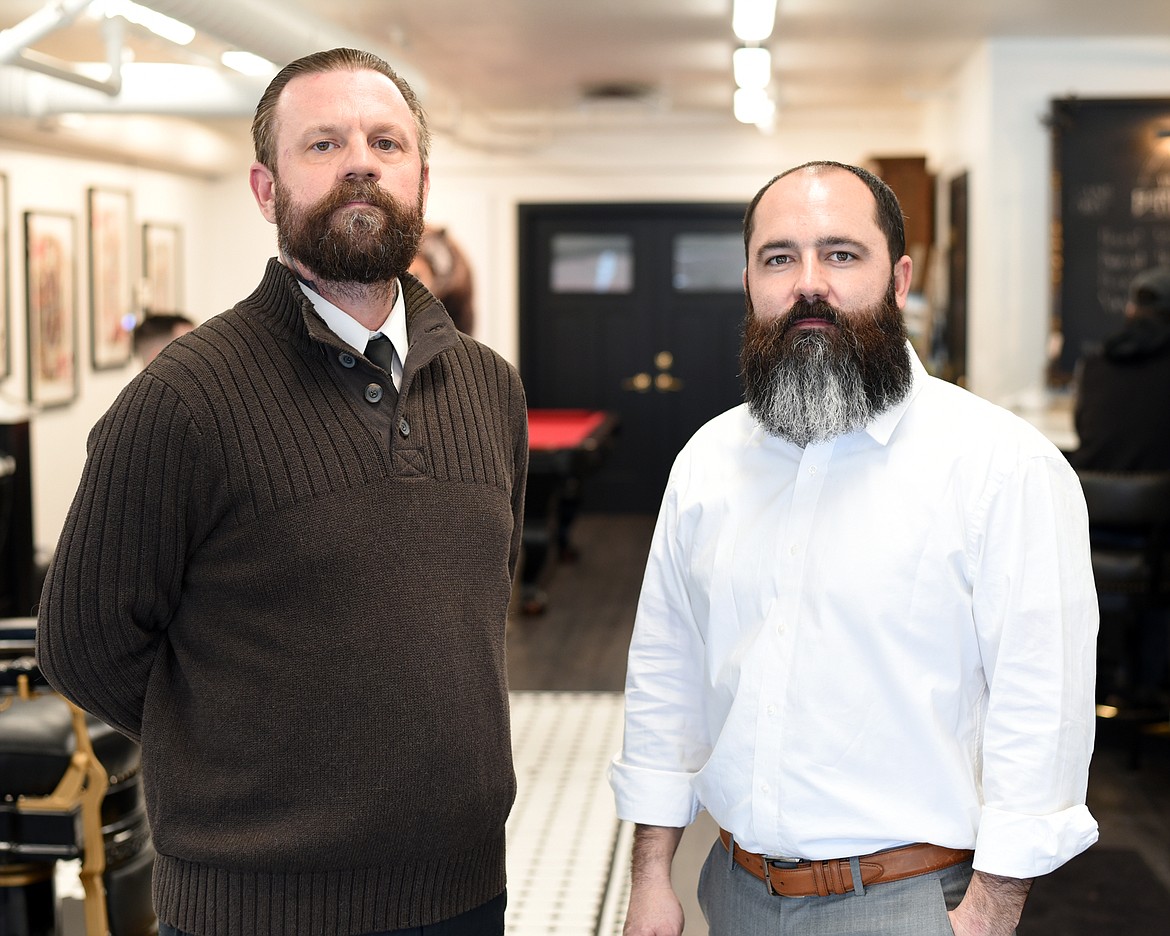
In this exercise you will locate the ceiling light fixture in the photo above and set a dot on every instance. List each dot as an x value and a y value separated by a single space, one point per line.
752 66
247 63
752 20
753 106
170 29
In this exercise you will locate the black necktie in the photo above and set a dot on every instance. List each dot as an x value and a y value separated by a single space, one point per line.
381 352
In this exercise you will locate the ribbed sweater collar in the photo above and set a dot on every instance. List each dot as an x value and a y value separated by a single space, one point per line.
281 305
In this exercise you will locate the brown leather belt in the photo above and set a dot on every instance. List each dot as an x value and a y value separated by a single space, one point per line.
793 878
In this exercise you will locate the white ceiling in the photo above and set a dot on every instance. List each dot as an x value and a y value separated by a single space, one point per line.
514 63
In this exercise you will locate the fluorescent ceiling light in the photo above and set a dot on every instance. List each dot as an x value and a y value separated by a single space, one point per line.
752 67
247 63
752 20
170 29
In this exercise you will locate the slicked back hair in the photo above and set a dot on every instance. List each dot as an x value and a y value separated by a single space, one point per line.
264 122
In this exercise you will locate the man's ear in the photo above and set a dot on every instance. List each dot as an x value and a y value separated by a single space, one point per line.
903 274
263 185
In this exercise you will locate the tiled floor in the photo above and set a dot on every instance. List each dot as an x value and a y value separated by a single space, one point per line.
568 855
563 833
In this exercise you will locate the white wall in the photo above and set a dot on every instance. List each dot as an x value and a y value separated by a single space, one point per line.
41 182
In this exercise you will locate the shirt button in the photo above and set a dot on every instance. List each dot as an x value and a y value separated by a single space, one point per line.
793 549
346 359
373 393
764 788
404 427
771 710
812 469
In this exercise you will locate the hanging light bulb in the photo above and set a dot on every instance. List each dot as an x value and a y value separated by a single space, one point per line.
752 20
752 105
752 66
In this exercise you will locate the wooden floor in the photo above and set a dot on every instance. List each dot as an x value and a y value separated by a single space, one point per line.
581 640
580 643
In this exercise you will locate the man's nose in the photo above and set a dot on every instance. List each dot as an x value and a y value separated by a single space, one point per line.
361 162
813 283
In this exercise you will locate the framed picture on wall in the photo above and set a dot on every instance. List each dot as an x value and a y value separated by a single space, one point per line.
5 281
111 315
50 265
161 267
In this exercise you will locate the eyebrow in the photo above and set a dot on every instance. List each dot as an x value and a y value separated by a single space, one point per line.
392 128
830 240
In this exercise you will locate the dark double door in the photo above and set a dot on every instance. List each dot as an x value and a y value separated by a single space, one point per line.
635 309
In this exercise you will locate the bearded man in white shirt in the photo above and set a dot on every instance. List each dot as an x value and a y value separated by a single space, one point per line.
865 642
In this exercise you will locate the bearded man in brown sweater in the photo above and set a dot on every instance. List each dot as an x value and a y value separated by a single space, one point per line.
287 568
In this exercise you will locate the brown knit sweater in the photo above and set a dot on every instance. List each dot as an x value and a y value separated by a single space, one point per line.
295 596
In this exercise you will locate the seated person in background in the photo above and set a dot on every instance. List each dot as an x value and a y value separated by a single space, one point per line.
156 331
1124 425
1121 413
444 270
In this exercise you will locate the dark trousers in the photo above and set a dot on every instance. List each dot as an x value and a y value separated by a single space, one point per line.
485 920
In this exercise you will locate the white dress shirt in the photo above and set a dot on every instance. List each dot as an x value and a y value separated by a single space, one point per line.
885 638
356 335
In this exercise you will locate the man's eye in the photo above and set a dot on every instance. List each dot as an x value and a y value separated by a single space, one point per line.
322 146
386 145
840 256
776 261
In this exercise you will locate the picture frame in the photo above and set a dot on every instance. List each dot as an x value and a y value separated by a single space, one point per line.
110 303
51 302
5 284
161 267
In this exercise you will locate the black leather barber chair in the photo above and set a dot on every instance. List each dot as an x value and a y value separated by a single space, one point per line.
1129 534
69 788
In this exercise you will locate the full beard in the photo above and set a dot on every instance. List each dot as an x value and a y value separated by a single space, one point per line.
351 246
810 385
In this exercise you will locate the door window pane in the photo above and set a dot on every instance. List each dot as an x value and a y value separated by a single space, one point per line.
708 262
592 263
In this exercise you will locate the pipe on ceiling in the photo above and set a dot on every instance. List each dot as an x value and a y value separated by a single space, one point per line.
257 26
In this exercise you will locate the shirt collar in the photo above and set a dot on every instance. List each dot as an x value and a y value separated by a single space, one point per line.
353 332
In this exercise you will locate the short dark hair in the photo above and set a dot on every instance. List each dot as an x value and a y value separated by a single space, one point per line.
264 122
888 215
157 325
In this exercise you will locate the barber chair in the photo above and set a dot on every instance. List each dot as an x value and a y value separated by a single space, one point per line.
69 788
1129 535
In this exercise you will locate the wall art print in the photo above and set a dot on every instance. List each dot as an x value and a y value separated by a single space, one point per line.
50 265
110 304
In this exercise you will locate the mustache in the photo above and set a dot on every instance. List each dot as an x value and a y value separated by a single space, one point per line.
802 311
350 190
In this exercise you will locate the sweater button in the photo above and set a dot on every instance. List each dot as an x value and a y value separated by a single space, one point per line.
373 393
404 427
346 359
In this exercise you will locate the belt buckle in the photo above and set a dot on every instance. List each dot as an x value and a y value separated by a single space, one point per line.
782 863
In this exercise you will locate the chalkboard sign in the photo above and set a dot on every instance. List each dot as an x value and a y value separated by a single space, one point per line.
1112 198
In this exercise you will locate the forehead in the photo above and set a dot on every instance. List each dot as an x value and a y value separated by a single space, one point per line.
817 203
341 96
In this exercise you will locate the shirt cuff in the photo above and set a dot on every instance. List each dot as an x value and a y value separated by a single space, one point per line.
1019 846
653 797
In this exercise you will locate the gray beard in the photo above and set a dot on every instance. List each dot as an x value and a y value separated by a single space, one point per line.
813 396
814 385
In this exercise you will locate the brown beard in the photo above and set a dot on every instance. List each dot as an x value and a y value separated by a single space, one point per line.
811 385
373 243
